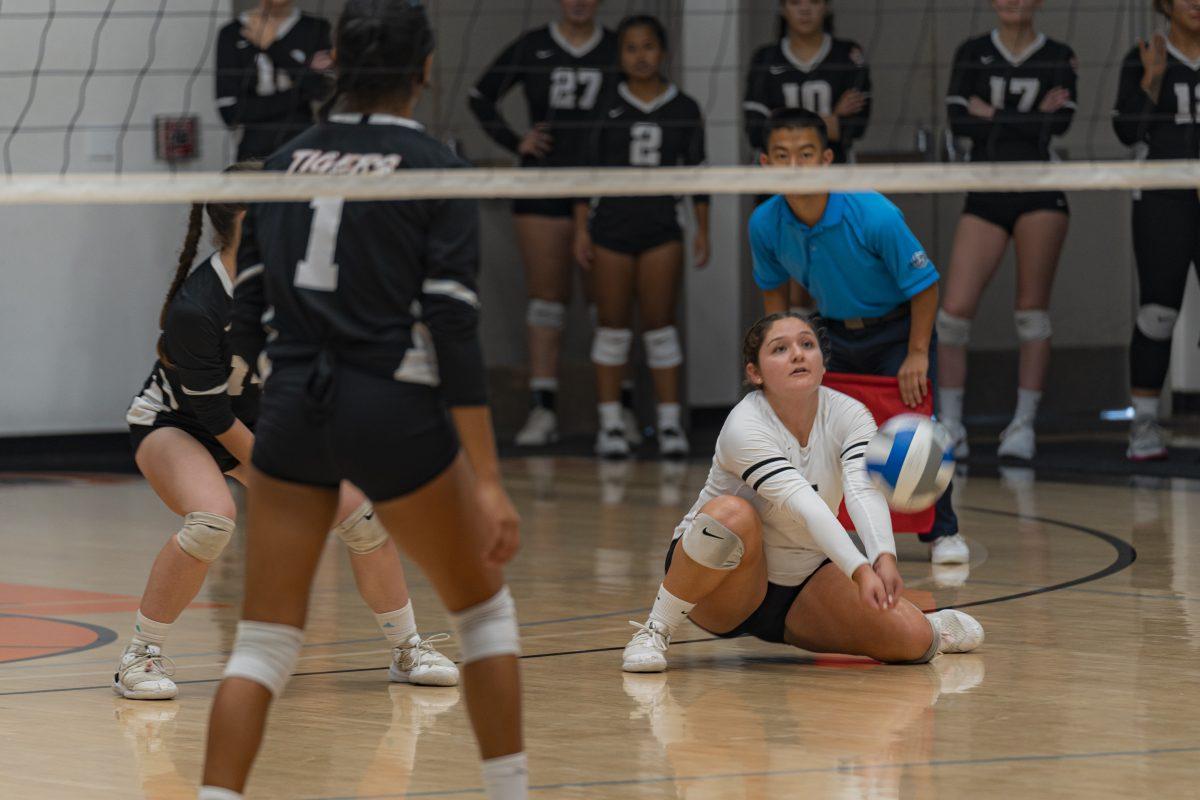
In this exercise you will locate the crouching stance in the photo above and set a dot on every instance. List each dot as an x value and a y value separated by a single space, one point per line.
761 553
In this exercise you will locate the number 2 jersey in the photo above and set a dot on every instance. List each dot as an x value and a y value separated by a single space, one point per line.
1014 85
562 85
1170 127
361 281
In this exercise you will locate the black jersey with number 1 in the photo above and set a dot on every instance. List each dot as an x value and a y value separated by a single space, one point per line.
1170 126
1014 85
562 85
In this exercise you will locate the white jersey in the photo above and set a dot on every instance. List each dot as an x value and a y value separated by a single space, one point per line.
797 490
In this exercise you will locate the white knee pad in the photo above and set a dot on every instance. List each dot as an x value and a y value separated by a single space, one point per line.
204 536
488 629
663 349
361 531
712 545
952 330
1033 325
266 653
1157 322
610 346
545 314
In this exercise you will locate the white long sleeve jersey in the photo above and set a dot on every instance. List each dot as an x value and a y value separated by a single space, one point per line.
797 490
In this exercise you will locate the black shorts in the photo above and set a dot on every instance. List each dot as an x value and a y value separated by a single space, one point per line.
562 207
225 460
387 437
632 226
768 621
1005 208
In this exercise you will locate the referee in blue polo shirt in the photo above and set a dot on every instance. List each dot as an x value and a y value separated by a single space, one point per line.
875 288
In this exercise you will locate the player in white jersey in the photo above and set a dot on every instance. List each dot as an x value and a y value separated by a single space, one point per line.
762 553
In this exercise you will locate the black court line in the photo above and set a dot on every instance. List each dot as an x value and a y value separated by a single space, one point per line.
1125 556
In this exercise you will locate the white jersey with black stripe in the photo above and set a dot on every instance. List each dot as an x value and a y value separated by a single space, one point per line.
797 490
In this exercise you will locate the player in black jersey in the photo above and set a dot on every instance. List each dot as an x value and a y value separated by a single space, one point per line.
349 397
634 244
189 430
1011 92
271 66
564 69
1158 111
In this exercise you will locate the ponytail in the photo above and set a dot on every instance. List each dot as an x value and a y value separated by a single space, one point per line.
187 256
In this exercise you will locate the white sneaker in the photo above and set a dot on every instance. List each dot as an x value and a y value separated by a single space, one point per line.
1018 441
672 443
612 443
1146 441
540 429
950 576
647 650
633 431
958 435
419 663
960 633
145 674
950 550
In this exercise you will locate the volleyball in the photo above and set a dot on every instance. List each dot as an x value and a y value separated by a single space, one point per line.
911 460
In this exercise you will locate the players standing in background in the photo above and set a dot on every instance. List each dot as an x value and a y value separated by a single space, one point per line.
1158 109
1011 91
187 438
350 396
565 69
634 245
270 71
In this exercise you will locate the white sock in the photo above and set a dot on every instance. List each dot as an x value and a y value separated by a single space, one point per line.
217 793
950 402
1027 405
610 416
668 416
506 777
1145 407
398 626
147 631
543 384
669 611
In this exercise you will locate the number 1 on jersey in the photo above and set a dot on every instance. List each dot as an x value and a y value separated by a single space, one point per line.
317 270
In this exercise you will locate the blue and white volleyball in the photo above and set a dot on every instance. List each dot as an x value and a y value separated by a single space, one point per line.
911 461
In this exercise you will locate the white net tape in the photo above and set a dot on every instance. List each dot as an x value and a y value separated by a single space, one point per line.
511 183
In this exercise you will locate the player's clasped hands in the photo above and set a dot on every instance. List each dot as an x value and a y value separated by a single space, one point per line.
871 590
912 377
889 575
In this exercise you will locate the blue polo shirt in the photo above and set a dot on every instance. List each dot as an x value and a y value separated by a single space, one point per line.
859 260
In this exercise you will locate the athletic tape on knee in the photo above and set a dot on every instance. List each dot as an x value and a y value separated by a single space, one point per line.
1157 322
545 314
663 349
204 536
266 653
361 531
952 330
610 346
488 629
711 544
1033 325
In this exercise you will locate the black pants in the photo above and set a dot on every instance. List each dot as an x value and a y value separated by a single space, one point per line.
881 350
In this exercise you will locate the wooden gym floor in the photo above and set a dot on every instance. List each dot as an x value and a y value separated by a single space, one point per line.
1088 683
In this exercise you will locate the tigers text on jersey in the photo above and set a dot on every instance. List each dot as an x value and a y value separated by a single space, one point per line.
197 382
562 85
269 93
797 490
1170 126
779 79
352 279
1014 85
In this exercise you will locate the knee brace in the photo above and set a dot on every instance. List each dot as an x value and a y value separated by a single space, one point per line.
266 653
610 346
204 536
1033 325
488 629
663 349
361 531
545 314
952 330
711 544
1157 322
